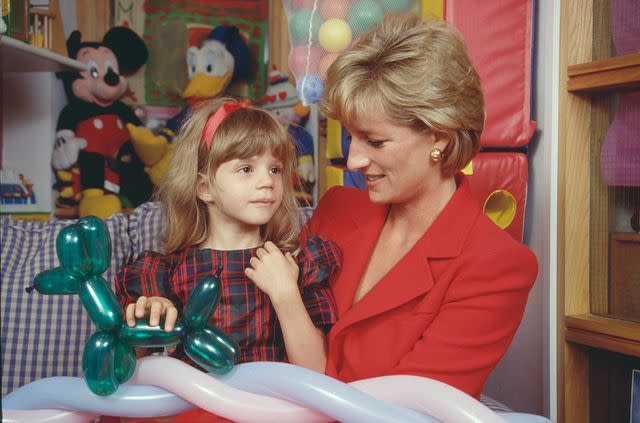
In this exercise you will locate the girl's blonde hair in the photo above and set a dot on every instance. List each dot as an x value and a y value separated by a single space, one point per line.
244 133
417 74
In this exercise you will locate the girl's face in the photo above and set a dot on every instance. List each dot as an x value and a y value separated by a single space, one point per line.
393 159
247 192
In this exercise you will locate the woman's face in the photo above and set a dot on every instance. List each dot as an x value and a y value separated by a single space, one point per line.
394 159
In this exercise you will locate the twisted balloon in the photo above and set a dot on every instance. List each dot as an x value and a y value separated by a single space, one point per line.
109 359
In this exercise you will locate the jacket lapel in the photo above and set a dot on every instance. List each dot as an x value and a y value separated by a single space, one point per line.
411 276
356 252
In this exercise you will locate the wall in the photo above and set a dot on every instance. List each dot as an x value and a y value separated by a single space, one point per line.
31 103
525 378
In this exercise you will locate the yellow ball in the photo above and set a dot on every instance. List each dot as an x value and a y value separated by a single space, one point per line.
334 35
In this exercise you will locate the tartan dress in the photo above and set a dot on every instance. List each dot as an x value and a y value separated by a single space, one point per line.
244 312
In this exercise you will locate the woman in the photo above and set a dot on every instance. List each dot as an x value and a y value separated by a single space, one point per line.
429 285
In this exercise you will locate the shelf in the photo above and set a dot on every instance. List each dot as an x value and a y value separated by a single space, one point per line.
18 56
626 236
620 73
621 336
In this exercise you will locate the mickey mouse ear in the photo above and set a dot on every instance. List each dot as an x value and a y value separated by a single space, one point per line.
129 48
73 44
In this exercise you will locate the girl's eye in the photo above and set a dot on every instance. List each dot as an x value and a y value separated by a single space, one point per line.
276 170
244 169
375 144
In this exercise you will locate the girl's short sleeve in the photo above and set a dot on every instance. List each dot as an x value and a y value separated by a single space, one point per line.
319 260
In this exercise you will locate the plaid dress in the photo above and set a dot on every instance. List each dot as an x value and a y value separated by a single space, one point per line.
244 312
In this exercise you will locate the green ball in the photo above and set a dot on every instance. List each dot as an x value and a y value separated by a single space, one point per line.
396 5
364 14
299 26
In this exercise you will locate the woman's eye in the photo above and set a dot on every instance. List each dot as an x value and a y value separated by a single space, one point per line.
376 144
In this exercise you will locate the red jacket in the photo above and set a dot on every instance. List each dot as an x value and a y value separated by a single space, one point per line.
448 310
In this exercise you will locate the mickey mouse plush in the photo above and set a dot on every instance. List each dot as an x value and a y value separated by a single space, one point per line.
93 156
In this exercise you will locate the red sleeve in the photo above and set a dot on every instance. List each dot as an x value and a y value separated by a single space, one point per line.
147 276
476 323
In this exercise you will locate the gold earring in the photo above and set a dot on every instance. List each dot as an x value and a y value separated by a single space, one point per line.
436 155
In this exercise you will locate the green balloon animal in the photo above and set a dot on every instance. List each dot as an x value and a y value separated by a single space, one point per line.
109 359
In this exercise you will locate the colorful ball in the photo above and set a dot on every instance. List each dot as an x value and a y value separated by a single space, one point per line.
325 62
310 89
300 56
334 35
364 14
299 25
335 8
299 4
396 5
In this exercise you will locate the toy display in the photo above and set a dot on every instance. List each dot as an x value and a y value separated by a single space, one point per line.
109 359
282 100
168 29
15 188
96 167
216 61
320 30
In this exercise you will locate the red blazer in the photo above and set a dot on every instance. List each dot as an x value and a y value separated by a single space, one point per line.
448 310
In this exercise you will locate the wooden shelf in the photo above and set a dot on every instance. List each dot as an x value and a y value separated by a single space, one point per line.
626 236
620 73
18 56
621 336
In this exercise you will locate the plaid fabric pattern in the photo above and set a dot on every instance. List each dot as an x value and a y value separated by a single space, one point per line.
43 335
244 312
145 228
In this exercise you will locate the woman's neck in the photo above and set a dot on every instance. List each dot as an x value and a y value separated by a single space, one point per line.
414 217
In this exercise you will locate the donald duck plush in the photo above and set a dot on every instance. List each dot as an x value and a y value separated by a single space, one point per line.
223 58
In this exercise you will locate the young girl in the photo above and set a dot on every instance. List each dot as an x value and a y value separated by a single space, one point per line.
227 200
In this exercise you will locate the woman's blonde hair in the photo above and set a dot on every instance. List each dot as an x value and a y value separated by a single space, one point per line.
244 133
417 74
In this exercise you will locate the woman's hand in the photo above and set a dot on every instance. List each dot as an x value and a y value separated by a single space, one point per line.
155 307
276 274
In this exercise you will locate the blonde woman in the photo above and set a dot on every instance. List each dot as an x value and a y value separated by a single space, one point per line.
227 200
429 285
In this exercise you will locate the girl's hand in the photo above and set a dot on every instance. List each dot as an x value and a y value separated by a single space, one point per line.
155 307
276 274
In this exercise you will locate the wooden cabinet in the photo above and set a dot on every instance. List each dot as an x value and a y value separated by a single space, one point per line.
598 268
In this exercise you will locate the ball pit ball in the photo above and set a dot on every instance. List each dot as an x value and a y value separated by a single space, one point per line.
364 14
299 4
335 8
396 5
334 35
299 26
300 55
310 89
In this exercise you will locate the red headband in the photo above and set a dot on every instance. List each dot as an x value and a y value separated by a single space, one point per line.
216 119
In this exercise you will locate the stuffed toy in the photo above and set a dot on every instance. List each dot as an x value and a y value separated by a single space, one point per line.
221 59
96 166
281 99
